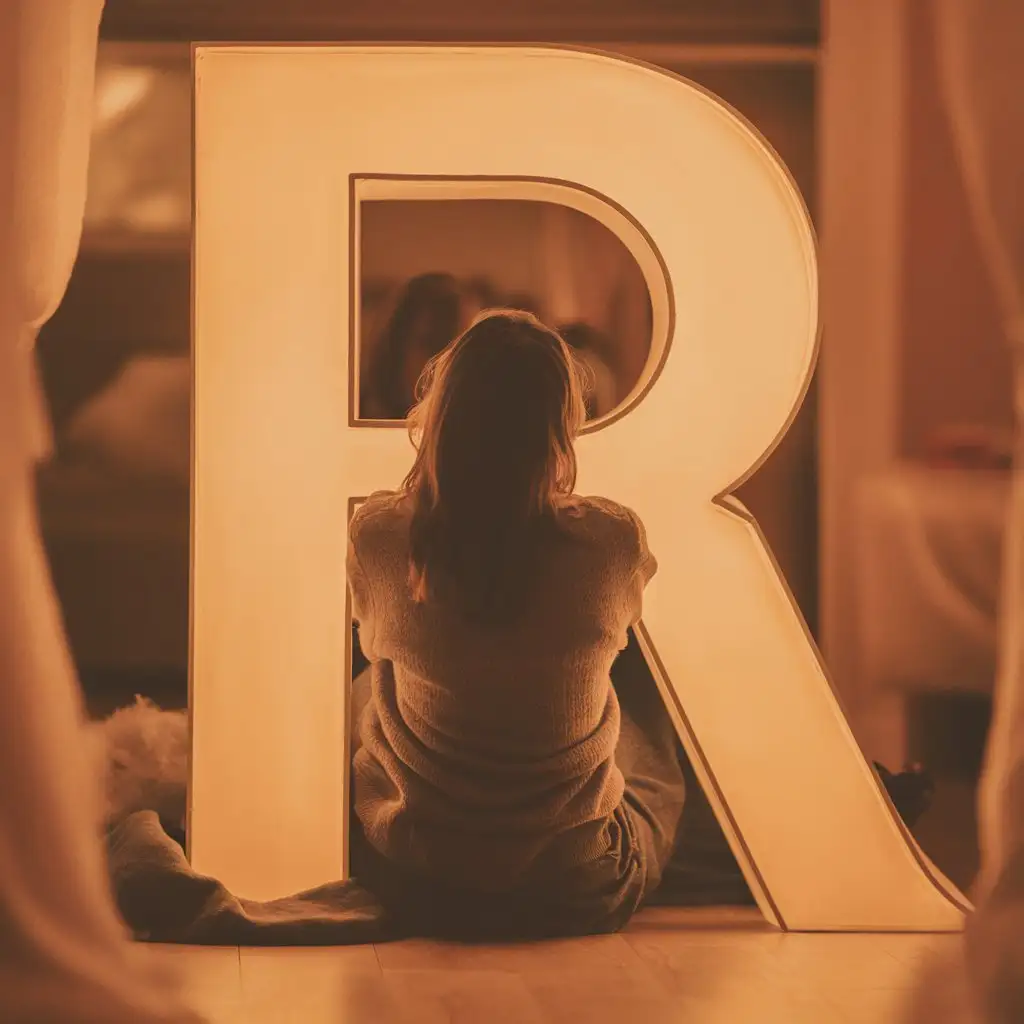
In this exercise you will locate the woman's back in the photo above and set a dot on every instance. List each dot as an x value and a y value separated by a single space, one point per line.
487 752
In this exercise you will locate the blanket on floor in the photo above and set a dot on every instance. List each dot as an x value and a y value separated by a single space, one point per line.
163 900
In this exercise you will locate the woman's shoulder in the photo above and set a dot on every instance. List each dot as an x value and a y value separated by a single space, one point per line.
604 520
381 510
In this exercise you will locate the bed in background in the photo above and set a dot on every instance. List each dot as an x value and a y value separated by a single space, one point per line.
119 553
114 512
929 544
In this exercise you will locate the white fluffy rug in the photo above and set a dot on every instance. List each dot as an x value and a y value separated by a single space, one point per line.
143 754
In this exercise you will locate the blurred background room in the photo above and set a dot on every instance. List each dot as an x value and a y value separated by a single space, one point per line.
883 505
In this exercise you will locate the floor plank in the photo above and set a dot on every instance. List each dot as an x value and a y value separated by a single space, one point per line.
593 953
311 985
211 978
670 966
465 997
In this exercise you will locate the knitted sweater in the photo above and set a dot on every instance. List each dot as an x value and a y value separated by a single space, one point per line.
487 753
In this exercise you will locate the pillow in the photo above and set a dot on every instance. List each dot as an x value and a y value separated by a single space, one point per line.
139 425
140 754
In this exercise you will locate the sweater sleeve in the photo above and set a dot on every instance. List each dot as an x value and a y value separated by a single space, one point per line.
362 596
645 567
647 563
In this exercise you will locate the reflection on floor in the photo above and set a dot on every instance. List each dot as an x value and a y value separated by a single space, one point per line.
711 966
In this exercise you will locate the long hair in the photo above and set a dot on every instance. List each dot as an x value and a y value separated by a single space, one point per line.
500 409
427 316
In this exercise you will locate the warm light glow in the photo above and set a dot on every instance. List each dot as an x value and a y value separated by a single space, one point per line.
284 136
120 90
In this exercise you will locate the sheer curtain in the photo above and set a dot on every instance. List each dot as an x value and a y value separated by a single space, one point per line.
981 51
981 60
64 954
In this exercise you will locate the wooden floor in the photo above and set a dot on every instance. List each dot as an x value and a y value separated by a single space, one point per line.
720 966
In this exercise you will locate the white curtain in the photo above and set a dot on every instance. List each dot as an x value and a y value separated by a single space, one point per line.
64 954
981 60
981 52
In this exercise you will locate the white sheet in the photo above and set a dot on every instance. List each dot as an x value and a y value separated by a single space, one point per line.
138 426
929 547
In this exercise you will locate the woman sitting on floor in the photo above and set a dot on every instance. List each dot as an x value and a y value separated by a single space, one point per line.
508 781
500 787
